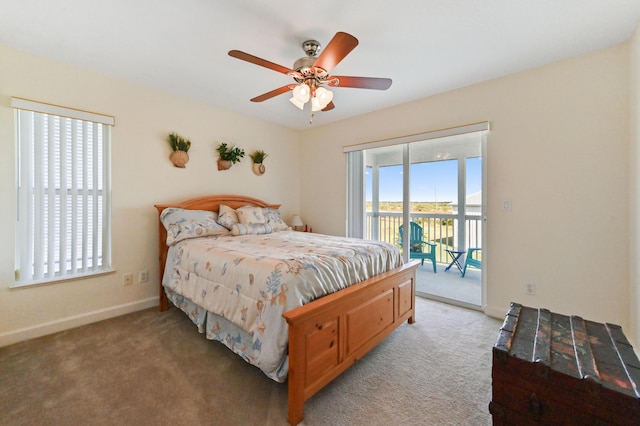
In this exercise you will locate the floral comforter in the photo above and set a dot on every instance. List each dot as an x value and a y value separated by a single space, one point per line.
251 280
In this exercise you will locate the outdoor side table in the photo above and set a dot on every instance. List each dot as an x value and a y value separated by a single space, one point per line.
455 259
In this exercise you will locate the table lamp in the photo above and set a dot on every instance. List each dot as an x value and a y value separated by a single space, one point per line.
296 222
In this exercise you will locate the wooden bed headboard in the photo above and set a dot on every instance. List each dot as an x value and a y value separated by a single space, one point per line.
209 203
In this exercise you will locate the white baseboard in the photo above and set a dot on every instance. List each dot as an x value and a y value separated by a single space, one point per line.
497 313
44 329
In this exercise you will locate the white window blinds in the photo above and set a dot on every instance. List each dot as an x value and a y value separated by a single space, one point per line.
63 187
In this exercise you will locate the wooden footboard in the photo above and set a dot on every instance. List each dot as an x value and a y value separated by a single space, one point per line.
330 334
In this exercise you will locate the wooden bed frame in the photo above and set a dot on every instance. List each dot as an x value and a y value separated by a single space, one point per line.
330 334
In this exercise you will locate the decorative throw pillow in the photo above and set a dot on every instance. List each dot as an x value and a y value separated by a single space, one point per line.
256 228
274 218
182 224
248 215
227 216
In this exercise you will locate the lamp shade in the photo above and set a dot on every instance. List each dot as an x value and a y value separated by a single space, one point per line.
324 96
315 104
301 93
296 220
297 103
321 99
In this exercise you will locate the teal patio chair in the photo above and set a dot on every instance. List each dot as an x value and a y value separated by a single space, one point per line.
418 247
472 260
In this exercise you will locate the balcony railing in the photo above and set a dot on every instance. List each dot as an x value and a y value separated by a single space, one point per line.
439 228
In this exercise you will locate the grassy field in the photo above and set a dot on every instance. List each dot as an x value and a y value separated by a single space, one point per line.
415 207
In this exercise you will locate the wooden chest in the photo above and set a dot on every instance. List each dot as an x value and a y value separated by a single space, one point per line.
557 369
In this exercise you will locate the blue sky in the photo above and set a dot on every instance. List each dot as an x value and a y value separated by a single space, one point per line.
434 181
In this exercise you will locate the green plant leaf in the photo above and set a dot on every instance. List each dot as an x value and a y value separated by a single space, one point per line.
179 143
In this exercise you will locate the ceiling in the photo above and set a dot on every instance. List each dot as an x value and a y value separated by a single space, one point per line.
425 46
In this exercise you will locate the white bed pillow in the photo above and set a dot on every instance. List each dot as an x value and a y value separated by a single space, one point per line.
254 229
249 215
182 224
274 218
227 216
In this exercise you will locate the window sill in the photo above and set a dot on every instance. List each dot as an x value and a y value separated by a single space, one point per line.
57 280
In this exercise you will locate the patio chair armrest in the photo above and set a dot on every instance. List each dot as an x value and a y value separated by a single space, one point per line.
473 250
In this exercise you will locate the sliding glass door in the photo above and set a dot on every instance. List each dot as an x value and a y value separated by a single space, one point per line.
436 185
445 180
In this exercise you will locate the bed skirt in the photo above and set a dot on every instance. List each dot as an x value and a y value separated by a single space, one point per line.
222 330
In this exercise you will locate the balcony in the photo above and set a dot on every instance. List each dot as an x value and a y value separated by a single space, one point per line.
442 229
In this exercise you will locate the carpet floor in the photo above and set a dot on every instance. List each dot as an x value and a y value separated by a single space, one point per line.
155 368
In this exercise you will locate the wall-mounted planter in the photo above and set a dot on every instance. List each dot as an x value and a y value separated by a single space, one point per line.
228 156
179 148
259 169
179 158
258 157
224 164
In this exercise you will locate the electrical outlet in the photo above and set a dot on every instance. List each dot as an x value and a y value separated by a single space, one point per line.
530 289
127 278
143 276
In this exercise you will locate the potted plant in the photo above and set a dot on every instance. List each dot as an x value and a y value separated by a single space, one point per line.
180 147
228 155
258 157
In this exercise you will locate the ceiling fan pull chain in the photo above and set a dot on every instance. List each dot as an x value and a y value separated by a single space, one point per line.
313 114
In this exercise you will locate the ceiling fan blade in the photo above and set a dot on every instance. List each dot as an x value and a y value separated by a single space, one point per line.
329 107
259 61
360 82
339 47
275 92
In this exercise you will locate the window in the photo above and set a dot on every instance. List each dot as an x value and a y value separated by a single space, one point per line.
64 193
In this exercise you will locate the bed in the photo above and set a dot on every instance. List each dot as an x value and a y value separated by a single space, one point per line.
324 334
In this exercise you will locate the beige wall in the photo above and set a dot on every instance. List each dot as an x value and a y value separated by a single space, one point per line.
142 176
634 121
558 148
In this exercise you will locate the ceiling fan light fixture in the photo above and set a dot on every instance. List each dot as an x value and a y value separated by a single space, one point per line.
321 99
315 104
324 96
301 93
297 102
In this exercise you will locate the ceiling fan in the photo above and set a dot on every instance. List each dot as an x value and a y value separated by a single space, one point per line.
311 73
